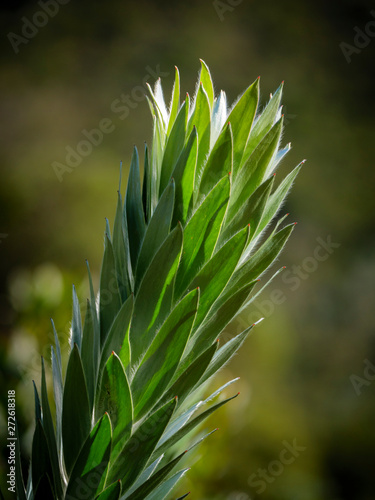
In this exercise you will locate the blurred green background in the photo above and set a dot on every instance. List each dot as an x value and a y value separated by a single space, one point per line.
303 371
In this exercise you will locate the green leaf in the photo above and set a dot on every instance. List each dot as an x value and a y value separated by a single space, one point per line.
250 212
225 353
57 345
94 318
259 292
118 336
146 474
76 337
76 417
121 252
261 260
206 80
178 422
165 488
201 234
89 472
163 356
110 301
174 146
219 116
125 232
253 171
50 436
137 451
190 372
114 398
276 198
134 208
264 123
213 277
154 298
154 481
241 119
38 410
58 395
157 152
221 314
146 187
41 468
201 119
183 175
192 424
113 492
20 485
219 162
87 353
107 229
159 101
157 231
175 101
44 489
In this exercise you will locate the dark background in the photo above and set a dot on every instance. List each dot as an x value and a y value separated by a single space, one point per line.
298 370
